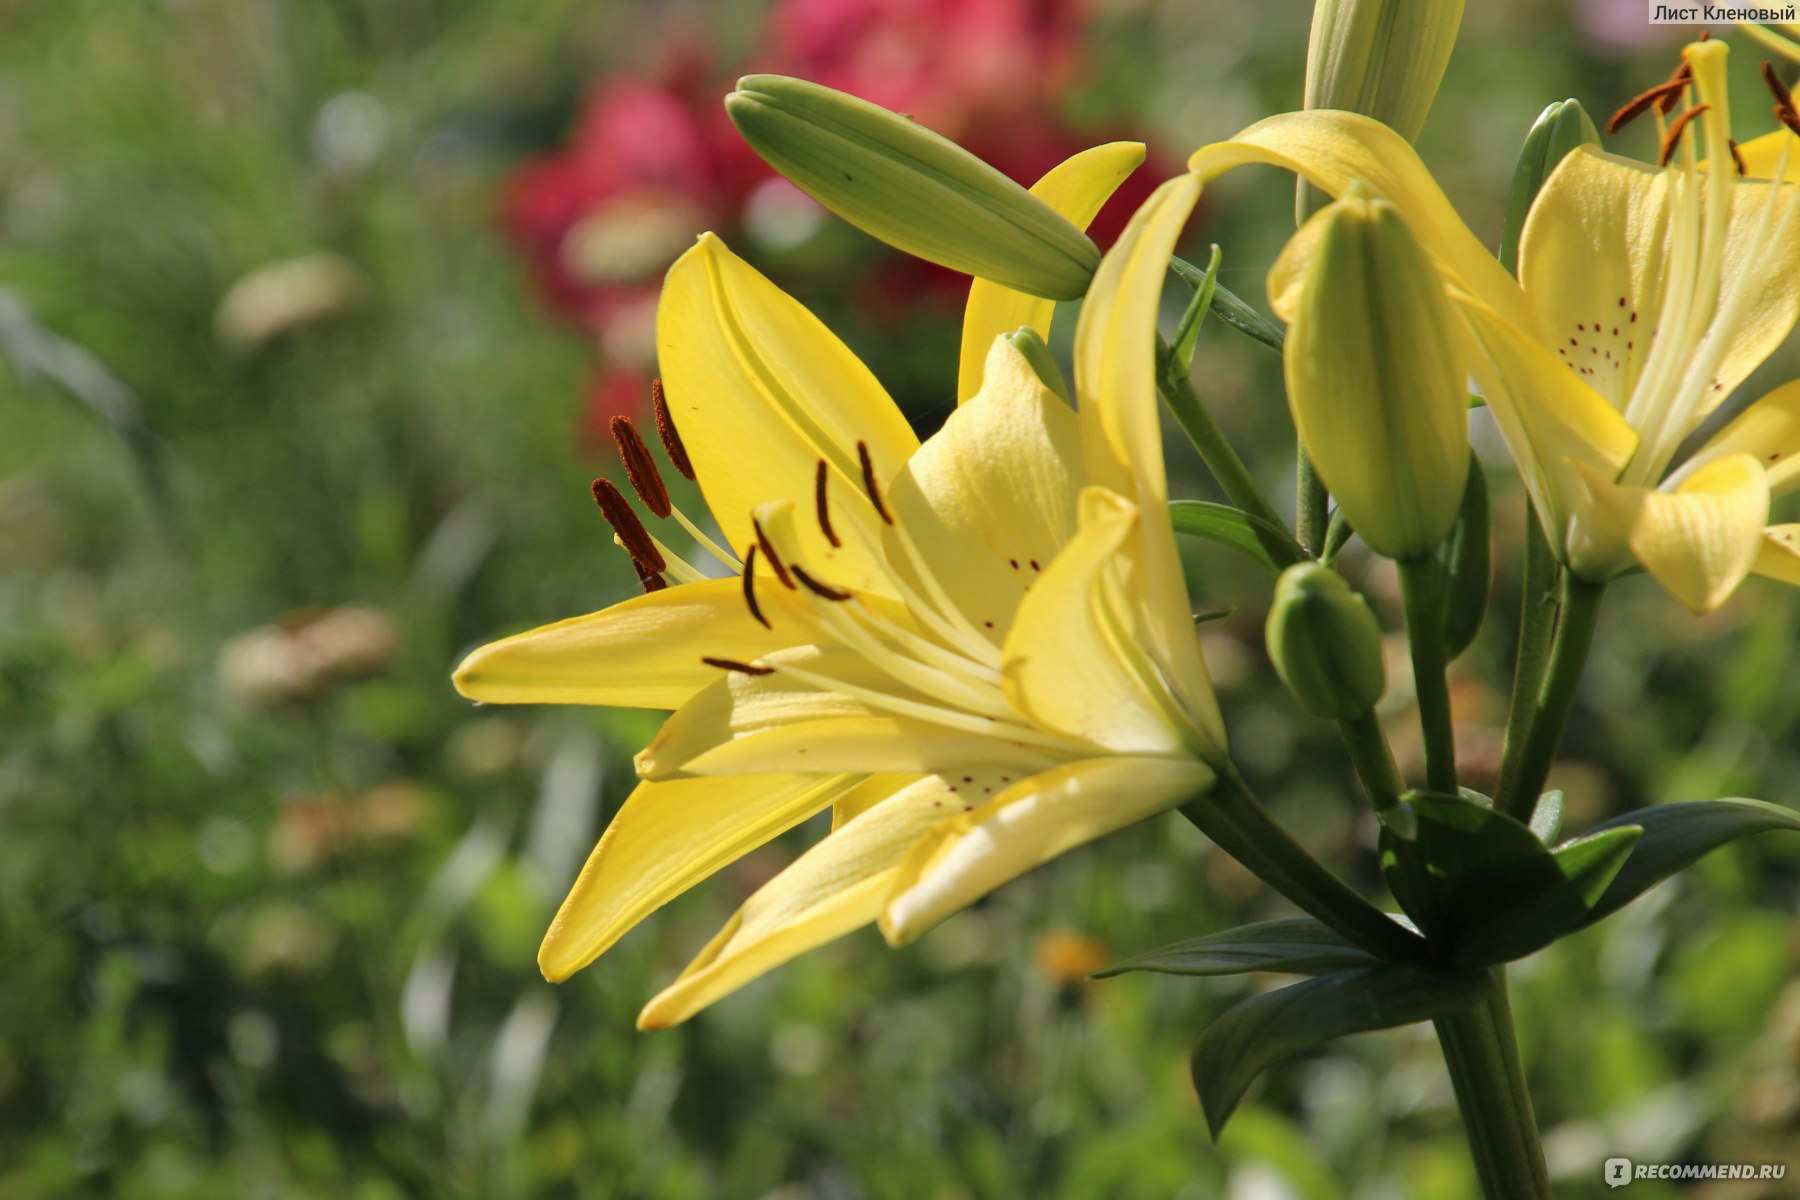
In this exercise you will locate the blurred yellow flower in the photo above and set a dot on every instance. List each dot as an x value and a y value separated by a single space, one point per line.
1646 295
976 651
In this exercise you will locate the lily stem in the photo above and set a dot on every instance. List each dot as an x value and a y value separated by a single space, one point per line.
1177 388
1539 598
1556 695
1373 759
1238 824
1420 586
1489 1079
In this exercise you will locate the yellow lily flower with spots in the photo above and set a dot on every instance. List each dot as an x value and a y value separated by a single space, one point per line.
1646 295
977 651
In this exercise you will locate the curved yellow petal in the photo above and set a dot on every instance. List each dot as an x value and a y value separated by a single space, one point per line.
1029 824
642 653
781 722
1076 188
1763 156
1779 557
1554 424
990 498
1333 150
1121 433
761 391
1699 541
1768 431
837 886
1077 659
664 839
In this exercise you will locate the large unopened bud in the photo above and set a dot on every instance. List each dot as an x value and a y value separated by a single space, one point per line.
1373 373
1381 58
1325 643
915 190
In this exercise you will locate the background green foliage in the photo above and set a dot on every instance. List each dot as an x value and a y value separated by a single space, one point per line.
257 949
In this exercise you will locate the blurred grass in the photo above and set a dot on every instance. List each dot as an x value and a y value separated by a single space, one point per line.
258 946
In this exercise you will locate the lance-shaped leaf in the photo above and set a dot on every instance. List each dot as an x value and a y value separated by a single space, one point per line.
1294 946
1675 836
1267 1028
1233 527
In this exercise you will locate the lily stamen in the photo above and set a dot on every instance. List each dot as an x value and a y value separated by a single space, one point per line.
640 468
626 527
750 589
1660 95
1671 137
732 664
666 431
768 552
822 506
869 484
822 590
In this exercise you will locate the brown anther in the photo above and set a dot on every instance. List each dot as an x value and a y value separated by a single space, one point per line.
1789 117
1640 104
665 430
821 590
869 484
652 580
750 589
640 468
823 505
1677 127
768 550
732 664
1737 156
632 534
1683 74
1783 97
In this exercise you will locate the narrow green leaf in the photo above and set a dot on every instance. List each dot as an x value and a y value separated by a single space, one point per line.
1233 527
1678 835
1296 946
1592 862
1546 818
1187 333
1229 308
1267 1028
1466 564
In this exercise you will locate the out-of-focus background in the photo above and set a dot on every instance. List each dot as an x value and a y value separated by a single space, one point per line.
312 313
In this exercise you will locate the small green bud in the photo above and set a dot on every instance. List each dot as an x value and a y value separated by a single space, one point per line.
1381 58
1374 374
1325 642
1029 343
1465 565
1562 127
920 192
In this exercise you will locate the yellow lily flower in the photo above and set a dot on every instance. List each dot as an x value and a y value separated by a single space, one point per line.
977 651
1646 294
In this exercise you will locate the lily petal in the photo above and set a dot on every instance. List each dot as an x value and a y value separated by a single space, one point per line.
642 653
1779 557
1076 188
761 391
1076 660
1029 824
1763 155
1699 541
990 498
1769 431
779 722
666 838
1333 150
837 886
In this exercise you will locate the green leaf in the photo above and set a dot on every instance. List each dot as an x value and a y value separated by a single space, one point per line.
1675 836
1233 527
1296 946
1592 862
1187 333
1546 817
1229 308
1267 1028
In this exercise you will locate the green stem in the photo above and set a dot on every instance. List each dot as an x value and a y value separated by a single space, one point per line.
1373 759
1221 459
1238 824
1489 1079
1310 502
1420 586
1538 602
1556 696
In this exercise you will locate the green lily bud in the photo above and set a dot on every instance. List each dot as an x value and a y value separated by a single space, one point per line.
1028 342
1325 642
917 191
1562 127
1374 376
1381 58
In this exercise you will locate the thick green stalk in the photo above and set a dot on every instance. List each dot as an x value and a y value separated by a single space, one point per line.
1311 502
1420 587
1221 459
1489 1079
1238 824
1373 758
1556 696
1538 603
